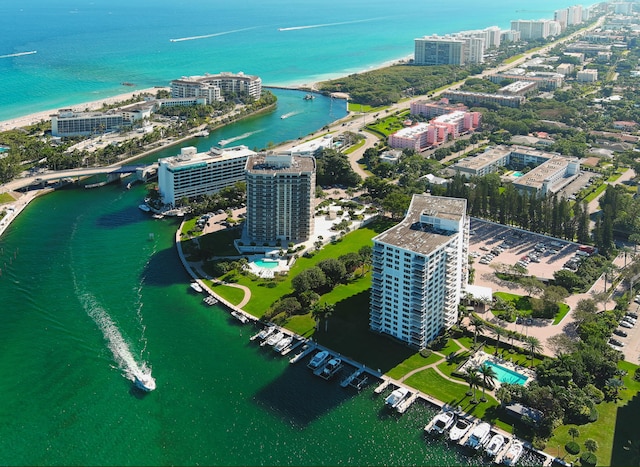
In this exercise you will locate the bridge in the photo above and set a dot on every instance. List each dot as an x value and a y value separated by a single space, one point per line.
113 172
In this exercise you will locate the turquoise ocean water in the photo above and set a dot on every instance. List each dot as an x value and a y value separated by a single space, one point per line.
90 286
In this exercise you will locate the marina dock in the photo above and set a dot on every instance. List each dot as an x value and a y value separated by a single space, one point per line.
298 342
473 422
382 386
311 346
405 404
347 381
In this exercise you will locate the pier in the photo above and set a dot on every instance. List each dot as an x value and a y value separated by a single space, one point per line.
385 383
311 346
298 342
405 404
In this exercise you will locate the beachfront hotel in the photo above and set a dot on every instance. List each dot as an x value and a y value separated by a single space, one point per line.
280 198
67 123
192 174
214 87
420 270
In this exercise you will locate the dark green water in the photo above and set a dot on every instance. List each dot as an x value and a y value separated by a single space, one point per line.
90 286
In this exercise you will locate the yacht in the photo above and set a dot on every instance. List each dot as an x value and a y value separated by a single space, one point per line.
274 338
240 317
459 429
494 445
196 287
318 359
331 368
397 396
145 381
442 422
479 436
513 453
283 344
202 134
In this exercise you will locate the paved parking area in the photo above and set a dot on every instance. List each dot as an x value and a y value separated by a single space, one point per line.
516 245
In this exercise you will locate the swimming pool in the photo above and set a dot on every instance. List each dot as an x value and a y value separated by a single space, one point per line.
517 174
507 376
265 263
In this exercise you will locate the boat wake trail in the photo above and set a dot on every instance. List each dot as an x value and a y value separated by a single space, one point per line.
19 54
224 142
207 36
122 355
326 25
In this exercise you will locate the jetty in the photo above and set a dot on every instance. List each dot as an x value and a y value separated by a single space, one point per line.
349 379
472 424
382 386
297 343
405 404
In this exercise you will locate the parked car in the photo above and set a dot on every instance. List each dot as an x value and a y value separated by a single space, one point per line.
620 332
633 315
616 342
626 324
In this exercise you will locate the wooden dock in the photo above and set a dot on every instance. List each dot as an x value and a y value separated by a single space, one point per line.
405 404
385 383
347 381
473 422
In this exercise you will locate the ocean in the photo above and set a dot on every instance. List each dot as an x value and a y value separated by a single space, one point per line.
91 288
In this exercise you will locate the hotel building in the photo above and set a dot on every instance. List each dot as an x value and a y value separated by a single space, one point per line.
474 98
192 174
215 87
420 271
536 29
280 198
67 123
437 50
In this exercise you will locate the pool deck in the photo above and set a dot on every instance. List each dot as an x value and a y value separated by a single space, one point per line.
480 357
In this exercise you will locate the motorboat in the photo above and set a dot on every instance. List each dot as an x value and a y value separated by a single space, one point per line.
264 333
331 368
196 287
145 381
397 396
442 422
274 338
144 207
479 436
309 97
318 359
459 429
513 453
494 445
283 344
240 317
202 134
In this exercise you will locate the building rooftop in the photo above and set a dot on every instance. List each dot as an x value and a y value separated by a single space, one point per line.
188 156
412 131
487 157
423 238
271 164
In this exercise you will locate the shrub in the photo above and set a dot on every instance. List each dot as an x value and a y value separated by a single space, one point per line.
539 443
588 458
572 447
636 374
426 353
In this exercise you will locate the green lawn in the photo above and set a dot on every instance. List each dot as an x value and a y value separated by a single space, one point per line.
233 295
593 195
412 363
6 198
562 312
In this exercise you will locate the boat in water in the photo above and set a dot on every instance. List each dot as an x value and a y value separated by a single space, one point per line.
479 436
513 453
202 134
274 338
240 317
283 344
394 399
331 368
196 287
145 381
309 97
442 422
318 359
495 444
459 429
144 207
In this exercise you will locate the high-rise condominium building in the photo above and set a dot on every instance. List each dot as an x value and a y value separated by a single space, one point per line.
437 50
214 87
280 198
420 270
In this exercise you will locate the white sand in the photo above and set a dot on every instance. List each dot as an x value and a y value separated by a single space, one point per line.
93 105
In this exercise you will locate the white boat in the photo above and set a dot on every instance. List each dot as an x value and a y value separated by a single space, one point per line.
397 396
479 436
442 422
283 344
331 368
210 300
318 359
266 332
196 287
459 429
144 207
240 317
145 381
309 97
513 453
274 338
202 134
494 445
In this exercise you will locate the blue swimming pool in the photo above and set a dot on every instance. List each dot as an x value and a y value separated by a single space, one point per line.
265 263
517 174
505 375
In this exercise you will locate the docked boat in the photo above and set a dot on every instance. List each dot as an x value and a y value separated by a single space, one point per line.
442 422
266 332
495 444
309 97
318 359
283 344
210 300
144 207
479 436
513 453
196 287
145 381
331 368
459 429
274 338
240 317
202 134
396 397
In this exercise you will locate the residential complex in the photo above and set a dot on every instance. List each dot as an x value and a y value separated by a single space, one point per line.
436 50
280 198
215 87
536 29
420 271
419 136
192 174
474 98
549 174
67 123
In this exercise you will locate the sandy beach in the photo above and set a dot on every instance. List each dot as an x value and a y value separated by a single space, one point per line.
31 119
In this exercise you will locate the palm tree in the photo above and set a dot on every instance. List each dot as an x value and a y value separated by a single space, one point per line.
477 324
488 375
534 345
574 433
613 387
329 308
591 445
474 380
498 332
